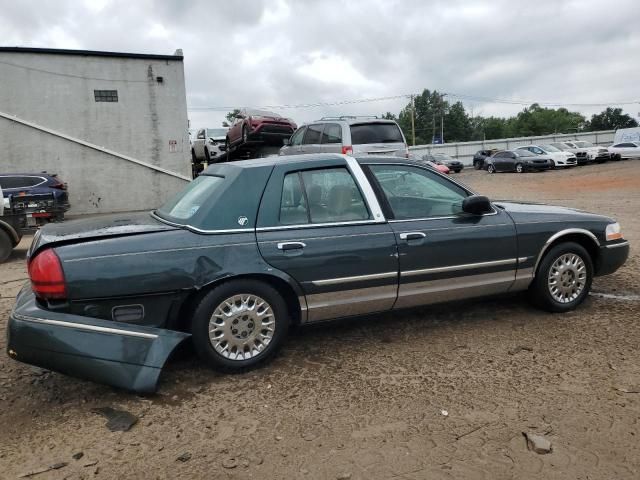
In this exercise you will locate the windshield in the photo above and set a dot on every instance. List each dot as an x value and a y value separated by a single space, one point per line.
375 133
550 148
216 132
584 144
262 113
443 157
186 203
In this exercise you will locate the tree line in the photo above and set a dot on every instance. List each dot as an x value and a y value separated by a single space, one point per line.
433 113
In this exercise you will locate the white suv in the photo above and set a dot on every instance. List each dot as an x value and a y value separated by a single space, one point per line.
348 135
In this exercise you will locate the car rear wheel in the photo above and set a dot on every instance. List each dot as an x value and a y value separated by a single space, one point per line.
563 279
477 165
519 168
239 324
5 246
491 168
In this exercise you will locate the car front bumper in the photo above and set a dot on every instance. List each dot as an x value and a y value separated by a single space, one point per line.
114 353
611 257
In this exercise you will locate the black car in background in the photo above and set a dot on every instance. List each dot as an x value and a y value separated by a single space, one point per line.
518 161
42 196
444 159
480 156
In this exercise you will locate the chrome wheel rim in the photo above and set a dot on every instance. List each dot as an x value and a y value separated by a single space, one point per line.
491 169
567 278
519 168
241 327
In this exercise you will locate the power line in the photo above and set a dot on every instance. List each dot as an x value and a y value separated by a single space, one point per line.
305 105
460 96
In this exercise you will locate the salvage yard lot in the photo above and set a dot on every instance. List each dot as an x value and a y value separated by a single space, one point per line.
365 398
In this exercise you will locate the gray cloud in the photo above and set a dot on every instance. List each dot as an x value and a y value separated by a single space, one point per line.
250 53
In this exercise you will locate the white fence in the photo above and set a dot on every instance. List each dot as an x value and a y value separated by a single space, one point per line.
464 151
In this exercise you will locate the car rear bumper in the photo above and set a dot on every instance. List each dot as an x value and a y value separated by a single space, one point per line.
114 353
612 257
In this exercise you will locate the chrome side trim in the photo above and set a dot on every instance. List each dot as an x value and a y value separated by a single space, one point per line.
523 259
82 326
616 245
443 290
356 278
346 303
561 234
454 268
524 277
10 229
365 187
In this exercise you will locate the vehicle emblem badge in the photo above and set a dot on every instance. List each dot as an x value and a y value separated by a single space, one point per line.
243 220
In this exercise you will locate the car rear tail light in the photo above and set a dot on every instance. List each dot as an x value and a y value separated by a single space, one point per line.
60 186
347 150
47 276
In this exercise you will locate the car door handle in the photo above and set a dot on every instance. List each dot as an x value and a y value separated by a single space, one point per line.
412 236
291 246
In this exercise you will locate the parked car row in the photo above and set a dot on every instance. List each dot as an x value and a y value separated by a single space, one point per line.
551 155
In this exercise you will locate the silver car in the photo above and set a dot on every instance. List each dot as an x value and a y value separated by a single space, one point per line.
348 135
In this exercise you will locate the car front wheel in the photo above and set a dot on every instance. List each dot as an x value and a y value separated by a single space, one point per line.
239 324
491 168
563 279
519 168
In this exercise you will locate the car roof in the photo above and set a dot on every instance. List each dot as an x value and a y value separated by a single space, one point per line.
292 159
352 120
19 174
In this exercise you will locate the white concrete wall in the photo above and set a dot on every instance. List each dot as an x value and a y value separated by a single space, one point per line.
464 151
57 92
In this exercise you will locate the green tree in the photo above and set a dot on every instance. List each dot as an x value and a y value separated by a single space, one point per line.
611 119
231 116
457 124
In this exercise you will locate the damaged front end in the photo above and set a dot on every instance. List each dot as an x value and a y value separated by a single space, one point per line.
114 353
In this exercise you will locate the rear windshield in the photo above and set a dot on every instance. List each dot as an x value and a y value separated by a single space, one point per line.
187 203
375 133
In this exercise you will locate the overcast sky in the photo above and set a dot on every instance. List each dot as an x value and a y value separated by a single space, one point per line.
259 52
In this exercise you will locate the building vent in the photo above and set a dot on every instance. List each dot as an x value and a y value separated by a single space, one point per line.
106 95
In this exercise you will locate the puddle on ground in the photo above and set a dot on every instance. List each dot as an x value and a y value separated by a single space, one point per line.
616 296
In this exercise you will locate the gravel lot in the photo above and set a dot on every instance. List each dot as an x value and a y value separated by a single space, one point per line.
366 398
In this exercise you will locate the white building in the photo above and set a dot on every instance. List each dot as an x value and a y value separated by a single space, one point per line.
112 125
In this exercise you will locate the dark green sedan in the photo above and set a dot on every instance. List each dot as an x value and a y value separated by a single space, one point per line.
250 248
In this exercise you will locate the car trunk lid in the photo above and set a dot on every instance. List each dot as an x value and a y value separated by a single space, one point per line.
104 226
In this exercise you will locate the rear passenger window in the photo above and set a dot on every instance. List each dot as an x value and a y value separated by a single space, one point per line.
314 132
333 196
332 133
293 205
321 196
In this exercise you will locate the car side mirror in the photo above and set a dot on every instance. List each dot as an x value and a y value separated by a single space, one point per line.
476 205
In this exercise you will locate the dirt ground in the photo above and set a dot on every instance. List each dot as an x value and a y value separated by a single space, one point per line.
444 392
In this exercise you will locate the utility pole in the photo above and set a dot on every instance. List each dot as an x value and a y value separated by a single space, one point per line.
433 122
413 121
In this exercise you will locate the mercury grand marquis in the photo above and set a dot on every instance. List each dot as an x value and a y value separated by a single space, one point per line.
250 248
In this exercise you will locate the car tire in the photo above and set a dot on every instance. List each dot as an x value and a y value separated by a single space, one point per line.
194 159
239 346
207 156
477 165
491 168
5 246
519 168
572 269
245 134
553 165
457 171
227 145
